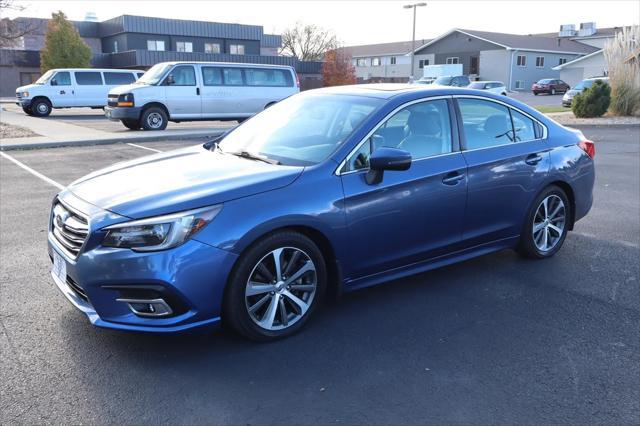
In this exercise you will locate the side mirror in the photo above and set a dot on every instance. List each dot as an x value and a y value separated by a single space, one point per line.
54 82
169 80
386 159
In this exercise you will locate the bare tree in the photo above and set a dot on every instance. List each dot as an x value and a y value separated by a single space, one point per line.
307 42
10 30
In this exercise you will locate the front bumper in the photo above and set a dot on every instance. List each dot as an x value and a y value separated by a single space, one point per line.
190 277
22 102
122 113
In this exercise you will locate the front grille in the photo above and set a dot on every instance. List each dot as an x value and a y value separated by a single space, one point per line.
69 227
112 100
77 289
19 95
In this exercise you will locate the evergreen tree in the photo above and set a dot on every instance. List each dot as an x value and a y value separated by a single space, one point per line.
63 46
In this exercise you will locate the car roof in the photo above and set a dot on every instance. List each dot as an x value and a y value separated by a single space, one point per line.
95 69
390 90
488 81
233 64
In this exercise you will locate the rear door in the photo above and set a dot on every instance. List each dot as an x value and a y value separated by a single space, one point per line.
90 89
267 86
508 160
182 92
62 90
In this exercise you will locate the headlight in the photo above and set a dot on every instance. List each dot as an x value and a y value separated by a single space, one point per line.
25 94
161 232
125 100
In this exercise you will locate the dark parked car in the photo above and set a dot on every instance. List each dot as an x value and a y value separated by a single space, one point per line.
550 86
455 81
329 190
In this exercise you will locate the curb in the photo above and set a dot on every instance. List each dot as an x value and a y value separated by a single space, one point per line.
110 141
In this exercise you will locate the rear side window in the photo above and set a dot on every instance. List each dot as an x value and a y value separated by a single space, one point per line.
111 78
140 74
87 78
524 127
232 76
62 78
211 76
183 75
268 77
486 124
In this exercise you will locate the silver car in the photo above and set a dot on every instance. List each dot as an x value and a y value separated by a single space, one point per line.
581 87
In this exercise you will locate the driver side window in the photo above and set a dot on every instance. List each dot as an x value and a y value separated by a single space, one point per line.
62 78
422 129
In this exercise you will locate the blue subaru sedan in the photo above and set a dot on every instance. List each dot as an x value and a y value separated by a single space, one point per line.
329 190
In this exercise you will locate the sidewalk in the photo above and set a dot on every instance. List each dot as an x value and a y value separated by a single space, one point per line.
55 133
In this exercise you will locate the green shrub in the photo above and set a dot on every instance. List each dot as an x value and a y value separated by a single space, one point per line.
625 99
593 102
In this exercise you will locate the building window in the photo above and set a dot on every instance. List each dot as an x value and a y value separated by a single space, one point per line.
184 46
423 63
155 45
361 62
540 61
562 61
28 77
115 46
236 49
454 60
375 62
521 61
519 84
393 60
212 48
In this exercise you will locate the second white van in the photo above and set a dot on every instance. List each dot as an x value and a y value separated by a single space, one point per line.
186 91
66 88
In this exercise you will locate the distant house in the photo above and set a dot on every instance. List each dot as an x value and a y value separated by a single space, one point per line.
517 60
384 62
591 65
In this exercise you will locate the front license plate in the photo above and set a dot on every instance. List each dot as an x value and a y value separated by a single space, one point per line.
59 268
108 114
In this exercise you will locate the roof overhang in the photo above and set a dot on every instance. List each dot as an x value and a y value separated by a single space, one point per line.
566 64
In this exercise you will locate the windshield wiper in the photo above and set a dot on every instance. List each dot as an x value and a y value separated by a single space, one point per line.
248 155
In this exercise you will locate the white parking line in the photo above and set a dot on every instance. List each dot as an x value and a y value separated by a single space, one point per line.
143 147
30 170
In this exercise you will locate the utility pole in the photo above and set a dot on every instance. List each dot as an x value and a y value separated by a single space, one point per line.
413 39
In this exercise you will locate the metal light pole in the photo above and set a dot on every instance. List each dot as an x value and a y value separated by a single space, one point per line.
413 39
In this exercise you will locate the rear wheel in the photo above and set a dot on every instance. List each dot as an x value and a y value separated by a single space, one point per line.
547 224
41 107
131 124
154 118
275 287
535 93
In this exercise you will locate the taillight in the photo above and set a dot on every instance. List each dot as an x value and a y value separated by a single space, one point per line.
297 80
588 146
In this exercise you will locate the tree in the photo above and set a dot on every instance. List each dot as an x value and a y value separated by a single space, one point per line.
11 31
593 102
337 69
307 42
63 46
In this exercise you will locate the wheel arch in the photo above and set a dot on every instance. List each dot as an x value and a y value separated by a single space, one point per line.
568 190
156 104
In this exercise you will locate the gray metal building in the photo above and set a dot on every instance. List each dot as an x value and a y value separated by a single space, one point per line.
139 42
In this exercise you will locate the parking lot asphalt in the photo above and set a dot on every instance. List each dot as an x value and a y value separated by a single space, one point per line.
498 339
541 100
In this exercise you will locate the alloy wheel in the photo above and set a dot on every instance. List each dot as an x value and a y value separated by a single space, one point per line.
281 288
154 120
549 223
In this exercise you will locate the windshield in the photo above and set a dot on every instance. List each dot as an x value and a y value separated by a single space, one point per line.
476 85
301 130
154 75
45 77
443 81
545 81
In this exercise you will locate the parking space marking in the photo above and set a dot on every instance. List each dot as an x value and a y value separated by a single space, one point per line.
33 172
143 147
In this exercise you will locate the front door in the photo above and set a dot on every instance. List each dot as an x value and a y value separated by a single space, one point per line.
473 69
507 160
61 94
182 93
414 214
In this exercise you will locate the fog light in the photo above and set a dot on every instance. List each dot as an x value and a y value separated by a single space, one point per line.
148 308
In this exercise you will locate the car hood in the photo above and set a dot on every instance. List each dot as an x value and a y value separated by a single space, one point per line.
179 180
27 87
128 88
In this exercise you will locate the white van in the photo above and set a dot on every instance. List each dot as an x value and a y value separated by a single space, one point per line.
185 91
66 88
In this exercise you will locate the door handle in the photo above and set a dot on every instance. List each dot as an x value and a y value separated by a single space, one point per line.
452 178
533 159
197 91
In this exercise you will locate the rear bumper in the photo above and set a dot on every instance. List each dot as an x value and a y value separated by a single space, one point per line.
122 113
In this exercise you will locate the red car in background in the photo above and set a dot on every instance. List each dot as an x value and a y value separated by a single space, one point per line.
550 86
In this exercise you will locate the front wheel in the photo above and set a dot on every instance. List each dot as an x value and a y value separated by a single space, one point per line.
131 124
154 118
27 110
275 287
547 224
41 107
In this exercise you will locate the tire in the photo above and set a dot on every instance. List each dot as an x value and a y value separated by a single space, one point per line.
553 91
241 120
41 107
535 93
27 110
247 307
504 93
154 118
270 104
131 124
533 244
